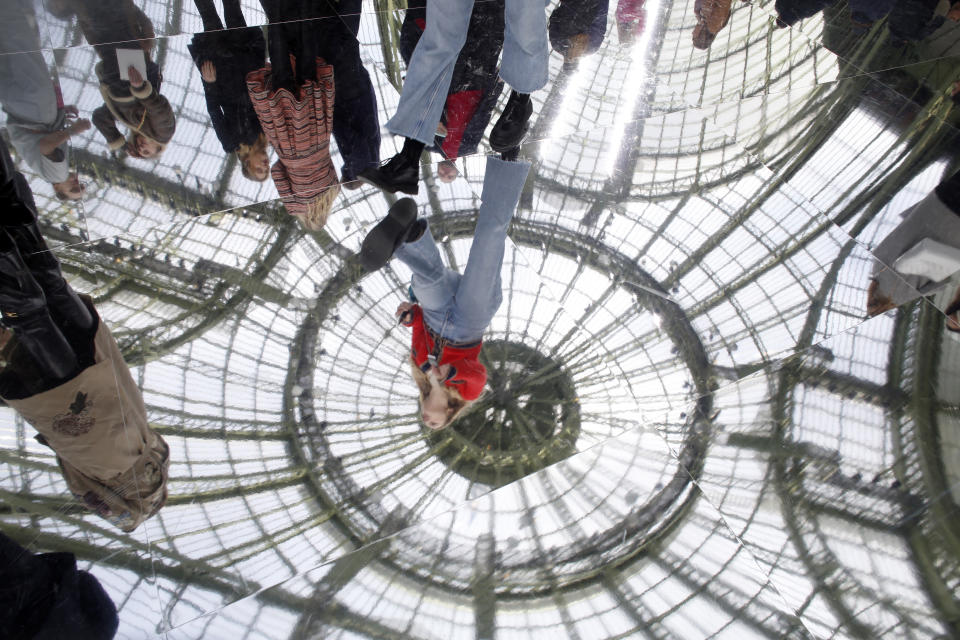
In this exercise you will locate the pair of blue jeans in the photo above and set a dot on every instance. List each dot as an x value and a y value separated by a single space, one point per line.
459 307
526 51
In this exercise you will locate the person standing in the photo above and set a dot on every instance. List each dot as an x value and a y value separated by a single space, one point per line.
224 57
293 97
40 128
475 85
135 102
526 51
355 125
933 220
451 311
65 375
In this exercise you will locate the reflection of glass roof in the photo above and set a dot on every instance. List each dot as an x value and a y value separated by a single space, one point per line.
690 430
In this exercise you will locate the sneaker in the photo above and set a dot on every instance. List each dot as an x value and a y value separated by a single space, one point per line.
398 174
513 124
378 246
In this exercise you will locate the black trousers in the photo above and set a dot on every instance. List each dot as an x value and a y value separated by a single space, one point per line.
949 192
231 14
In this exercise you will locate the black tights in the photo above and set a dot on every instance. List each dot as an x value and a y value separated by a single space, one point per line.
231 13
292 33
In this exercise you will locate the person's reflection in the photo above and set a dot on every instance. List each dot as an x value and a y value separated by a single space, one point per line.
65 375
631 18
136 103
475 85
524 67
712 17
224 58
790 12
863 13
907 20
39 127
293 97
45 596
920 254
355 125
449 312
577 28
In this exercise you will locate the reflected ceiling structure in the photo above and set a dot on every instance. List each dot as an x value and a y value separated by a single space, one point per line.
691 429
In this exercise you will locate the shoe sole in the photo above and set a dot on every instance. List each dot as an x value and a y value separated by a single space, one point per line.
374 181
378 246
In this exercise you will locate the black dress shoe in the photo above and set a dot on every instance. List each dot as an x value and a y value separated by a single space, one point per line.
378 247
513 124
400 173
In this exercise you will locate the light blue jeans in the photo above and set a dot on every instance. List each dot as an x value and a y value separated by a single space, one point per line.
526 50
457 307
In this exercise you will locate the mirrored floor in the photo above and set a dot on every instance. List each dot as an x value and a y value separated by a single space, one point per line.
718 395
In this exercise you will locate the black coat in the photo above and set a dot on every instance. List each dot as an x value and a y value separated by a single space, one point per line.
793 11
45 596
234 53
478 58
913 19
573 17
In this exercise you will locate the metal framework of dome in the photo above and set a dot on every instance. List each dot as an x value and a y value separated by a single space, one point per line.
691 430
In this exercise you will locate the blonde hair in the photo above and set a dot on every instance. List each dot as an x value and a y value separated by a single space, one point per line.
318 210
456 405
246 151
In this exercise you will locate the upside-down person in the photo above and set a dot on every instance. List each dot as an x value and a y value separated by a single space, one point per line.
135 102
224 57
451 311
475 85
293 97
526 52
920 254
66 377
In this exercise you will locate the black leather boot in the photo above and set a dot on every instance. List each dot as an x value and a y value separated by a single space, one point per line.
378 246
511 128
25 311
399 173
63 303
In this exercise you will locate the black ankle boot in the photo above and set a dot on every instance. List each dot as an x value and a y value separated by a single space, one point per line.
24 310
400 173
378 246
511 127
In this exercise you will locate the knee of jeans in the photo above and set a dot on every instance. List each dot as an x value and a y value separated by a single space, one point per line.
446 37
525 17
528 40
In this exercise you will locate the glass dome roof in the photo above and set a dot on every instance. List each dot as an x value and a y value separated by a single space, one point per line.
691 428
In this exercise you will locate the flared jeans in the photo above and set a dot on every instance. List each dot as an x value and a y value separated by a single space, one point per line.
526 51
459 307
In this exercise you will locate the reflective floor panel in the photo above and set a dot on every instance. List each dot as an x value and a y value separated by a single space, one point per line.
719 397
